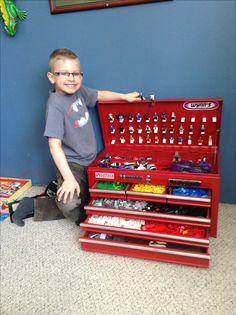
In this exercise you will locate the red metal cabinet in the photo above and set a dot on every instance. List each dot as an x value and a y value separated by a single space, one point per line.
141 140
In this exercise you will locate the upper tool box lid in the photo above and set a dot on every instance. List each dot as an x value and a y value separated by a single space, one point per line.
166 123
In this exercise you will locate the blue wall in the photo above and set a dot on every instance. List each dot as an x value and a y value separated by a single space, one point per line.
171 49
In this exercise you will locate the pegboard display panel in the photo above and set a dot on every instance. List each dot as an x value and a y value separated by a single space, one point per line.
182 122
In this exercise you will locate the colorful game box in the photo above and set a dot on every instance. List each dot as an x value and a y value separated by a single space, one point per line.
10 190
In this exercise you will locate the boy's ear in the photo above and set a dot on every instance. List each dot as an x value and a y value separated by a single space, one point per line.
51 77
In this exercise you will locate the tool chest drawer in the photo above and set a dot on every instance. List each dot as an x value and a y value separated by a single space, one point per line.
146 249
186 195
159 170
110 189
170 194
177 233
150 211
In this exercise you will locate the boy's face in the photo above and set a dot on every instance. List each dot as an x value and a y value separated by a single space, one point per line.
66 76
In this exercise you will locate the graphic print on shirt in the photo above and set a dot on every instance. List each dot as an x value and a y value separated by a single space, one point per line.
78 114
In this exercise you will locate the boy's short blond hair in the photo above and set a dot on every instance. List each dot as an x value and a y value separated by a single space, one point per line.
61 54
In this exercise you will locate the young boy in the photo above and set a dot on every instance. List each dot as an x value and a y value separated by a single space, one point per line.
71 140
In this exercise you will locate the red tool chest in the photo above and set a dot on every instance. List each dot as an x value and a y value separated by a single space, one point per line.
155 187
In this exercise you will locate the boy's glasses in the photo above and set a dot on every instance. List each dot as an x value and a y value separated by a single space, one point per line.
65 74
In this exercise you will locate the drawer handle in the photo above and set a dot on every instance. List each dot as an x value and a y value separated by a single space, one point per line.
136 177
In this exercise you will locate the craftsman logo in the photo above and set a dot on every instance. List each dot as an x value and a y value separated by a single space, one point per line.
104 175
201 105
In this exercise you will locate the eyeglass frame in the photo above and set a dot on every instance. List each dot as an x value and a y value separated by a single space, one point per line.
67 74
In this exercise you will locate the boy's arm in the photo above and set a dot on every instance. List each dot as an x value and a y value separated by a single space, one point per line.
110 96
70 185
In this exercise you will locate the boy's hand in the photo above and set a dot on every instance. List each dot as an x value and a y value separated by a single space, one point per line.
134 96
111 96
67 190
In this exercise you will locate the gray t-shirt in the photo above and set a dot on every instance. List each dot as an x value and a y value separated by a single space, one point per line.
67 119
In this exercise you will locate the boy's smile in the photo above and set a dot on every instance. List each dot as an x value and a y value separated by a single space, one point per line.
66 76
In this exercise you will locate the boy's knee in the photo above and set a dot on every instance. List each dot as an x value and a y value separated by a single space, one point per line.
67 207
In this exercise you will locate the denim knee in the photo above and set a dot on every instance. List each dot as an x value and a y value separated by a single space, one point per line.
70 209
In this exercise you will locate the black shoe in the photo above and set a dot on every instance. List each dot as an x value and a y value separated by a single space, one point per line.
82 218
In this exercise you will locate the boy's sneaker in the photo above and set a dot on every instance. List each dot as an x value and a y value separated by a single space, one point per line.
82 218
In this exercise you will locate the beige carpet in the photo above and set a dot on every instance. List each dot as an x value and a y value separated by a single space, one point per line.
44 272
